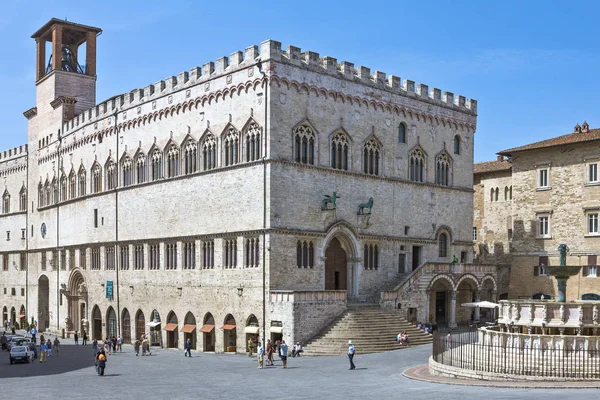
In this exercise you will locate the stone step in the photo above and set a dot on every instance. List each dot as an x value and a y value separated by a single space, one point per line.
370 328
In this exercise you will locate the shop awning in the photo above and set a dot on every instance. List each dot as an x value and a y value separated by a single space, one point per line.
153 324
251 329
21 316
276 329
188 328
170 327
207 328
228 327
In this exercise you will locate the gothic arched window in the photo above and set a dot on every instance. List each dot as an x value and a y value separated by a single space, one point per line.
209 152
172 155
156 165
190 157
5 203
96 178
23 200
253 142
140 168
63 188
304 145
417 166
443 245
442 170
231 143
72 185
371 154
402 133
55 192
456 144
340 149
81 180
111 175
126 171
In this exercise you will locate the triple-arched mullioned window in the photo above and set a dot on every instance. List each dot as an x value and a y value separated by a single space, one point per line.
442 169
416 165
340 151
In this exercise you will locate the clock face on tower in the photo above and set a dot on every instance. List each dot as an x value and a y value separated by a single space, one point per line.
43 229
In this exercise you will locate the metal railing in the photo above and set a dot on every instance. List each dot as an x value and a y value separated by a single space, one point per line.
463 350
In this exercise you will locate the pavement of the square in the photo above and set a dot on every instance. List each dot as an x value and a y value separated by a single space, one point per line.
167 374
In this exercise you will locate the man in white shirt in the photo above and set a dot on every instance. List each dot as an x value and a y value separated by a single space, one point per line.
351 354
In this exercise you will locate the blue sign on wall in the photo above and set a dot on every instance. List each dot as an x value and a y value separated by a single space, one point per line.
109 289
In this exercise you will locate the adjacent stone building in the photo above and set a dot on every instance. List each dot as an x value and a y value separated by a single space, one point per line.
534 198
259 193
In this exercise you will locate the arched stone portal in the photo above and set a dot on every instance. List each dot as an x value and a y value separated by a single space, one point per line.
96 323
336 269
342 269
43 303
126 326
140 325
208 332
111 322
76 295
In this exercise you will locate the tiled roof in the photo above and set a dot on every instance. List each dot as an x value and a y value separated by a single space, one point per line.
571 138
491 166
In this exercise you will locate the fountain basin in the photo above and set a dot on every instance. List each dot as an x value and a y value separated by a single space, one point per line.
563 271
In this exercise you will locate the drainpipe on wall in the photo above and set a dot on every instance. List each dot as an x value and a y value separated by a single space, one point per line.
264 233
117 255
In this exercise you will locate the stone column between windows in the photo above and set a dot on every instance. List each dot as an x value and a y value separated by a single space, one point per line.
102 258
146 256
162 256
198 255
130 255
477 299
240 253
179 254
452 322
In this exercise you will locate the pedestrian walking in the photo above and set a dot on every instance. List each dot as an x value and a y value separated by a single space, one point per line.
49 346
136 346
351 351
95 347
269 352
260 353
113 338
283 353
56 345
188 348
43 349
84 338
76 337
144 350
120 344
33 333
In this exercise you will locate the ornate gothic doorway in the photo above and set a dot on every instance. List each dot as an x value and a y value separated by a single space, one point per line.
336 266
76 295
43 303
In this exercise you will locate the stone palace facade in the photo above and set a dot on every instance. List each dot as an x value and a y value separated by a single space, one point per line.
532 199
258 194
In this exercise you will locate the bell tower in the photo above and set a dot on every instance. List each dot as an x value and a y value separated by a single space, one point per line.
64 77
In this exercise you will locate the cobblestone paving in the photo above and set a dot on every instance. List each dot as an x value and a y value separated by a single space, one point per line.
168 374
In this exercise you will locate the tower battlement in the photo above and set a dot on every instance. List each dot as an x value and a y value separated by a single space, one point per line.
271 50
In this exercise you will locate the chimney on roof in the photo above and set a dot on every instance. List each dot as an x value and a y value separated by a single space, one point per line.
585 128
577 128
500 158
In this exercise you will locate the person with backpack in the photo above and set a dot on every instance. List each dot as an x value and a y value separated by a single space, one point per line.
101 362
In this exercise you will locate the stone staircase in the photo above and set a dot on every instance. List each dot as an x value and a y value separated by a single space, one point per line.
371 329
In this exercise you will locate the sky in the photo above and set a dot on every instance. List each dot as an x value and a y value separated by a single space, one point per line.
529 64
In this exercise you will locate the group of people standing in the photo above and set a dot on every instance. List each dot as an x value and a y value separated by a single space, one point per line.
269 351
143 343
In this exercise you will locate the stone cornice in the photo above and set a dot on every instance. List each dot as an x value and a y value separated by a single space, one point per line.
62 100
32 112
